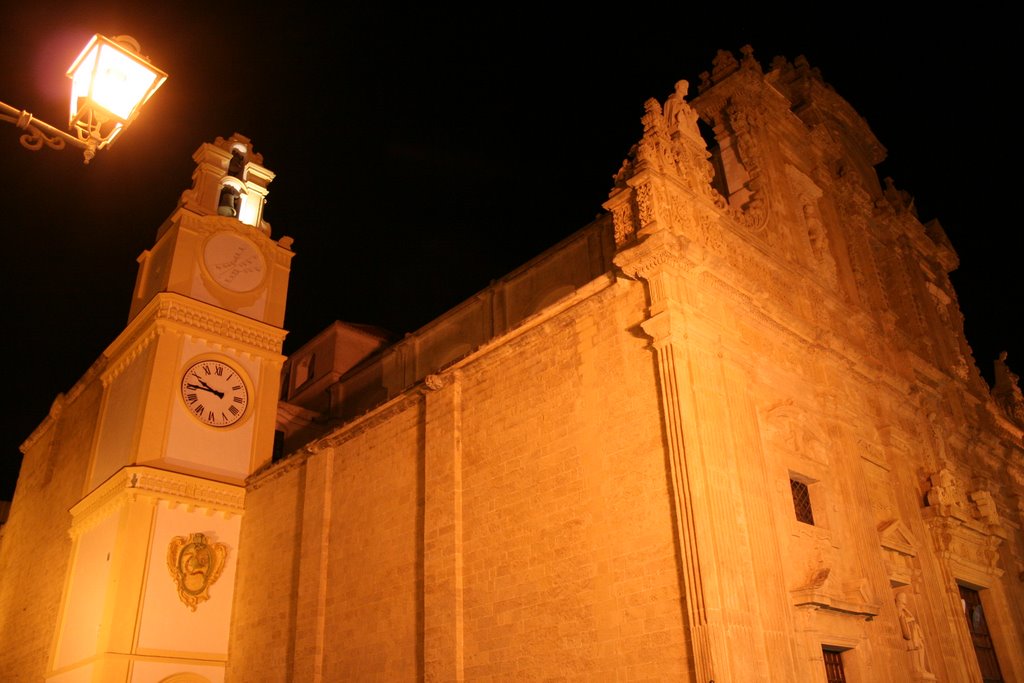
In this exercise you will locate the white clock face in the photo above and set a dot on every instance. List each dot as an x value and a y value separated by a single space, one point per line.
214 393
234 262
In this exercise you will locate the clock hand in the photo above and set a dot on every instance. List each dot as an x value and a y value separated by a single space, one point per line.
206 387
220 394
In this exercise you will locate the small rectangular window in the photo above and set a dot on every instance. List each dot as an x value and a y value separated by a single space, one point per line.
802 501
833 666
278 451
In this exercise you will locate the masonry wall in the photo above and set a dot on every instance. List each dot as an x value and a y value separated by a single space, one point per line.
331 561
508 519
371 606
34 551
569 560
265 613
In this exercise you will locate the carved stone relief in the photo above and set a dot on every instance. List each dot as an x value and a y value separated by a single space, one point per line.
195 564
966 528
899 549
790 429
912 633
1007 392
808 195
823 591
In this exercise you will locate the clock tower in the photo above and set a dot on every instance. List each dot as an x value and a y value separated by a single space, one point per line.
190 392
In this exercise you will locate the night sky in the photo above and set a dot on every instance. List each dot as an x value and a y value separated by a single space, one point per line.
420 155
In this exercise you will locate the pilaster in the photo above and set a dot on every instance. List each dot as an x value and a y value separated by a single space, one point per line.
312 585
653 260
442 531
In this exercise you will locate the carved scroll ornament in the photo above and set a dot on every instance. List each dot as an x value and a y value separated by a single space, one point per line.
195 564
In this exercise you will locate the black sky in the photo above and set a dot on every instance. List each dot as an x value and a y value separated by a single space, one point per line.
422 153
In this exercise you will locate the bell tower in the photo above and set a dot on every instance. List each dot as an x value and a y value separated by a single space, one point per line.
190 390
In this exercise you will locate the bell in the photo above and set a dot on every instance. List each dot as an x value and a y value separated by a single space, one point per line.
227 203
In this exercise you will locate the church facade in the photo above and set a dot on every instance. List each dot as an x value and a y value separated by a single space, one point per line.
730 431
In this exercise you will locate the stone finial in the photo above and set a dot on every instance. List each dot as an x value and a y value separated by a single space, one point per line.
723 65
1007 392
748 61
900 200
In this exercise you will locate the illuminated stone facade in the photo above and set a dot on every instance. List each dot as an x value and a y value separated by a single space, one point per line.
120 555
730 431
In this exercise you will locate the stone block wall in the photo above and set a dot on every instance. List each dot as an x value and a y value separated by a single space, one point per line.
35 547
507 519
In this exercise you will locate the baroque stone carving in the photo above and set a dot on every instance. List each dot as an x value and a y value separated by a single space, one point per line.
435 382
966 529
808 195
790 429
899 200
822 591
1007 392
912 633
623 220
670 158
744 117
195 564
132 484
898 546
947 493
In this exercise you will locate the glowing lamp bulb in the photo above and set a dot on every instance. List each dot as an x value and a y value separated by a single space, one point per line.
110 81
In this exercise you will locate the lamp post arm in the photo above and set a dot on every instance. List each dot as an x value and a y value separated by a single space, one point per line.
38 133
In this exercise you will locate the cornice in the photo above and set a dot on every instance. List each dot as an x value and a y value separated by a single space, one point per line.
360 425
339 435
216 323
276 470
171 311
130 484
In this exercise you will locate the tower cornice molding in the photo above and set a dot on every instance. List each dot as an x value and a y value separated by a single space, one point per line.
170 311
131 484
218 325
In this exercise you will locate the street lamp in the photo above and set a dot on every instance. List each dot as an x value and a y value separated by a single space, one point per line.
110 81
